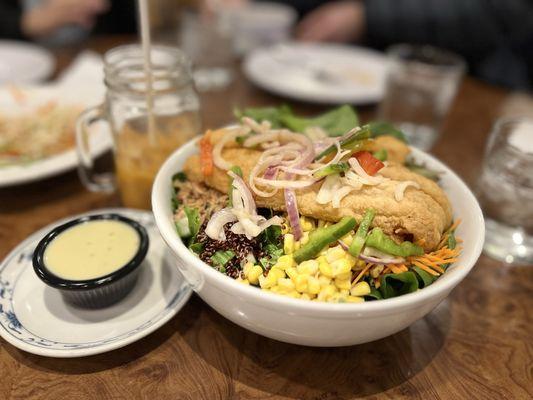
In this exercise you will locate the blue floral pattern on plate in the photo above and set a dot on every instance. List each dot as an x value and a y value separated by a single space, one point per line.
20 258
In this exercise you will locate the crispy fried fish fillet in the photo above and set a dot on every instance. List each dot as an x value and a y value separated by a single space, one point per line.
422 215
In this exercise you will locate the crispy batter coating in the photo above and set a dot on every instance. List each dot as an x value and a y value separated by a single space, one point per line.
422 215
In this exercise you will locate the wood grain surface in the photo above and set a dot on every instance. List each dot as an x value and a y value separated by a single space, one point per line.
478 344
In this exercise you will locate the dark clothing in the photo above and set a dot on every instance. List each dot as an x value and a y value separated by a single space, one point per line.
121 18
494 36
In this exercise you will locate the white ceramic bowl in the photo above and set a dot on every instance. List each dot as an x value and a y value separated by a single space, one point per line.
315 323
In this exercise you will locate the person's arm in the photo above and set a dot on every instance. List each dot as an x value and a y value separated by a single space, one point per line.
10 20
467 27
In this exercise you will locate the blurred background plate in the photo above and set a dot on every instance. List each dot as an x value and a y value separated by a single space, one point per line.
319 73
35 97
21 62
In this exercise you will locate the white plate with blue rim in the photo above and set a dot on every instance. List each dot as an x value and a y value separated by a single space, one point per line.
34 317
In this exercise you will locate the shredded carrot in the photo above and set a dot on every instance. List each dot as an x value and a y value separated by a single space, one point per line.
206 155
425 268
362 273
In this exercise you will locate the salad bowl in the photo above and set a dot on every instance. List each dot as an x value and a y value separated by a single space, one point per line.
315 323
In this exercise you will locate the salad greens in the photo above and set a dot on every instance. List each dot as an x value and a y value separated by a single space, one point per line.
272 244
380 128
393 285
335 122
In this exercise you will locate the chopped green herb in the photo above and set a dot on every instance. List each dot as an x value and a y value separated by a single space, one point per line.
193 218
180 176
182 226
221 257
196 247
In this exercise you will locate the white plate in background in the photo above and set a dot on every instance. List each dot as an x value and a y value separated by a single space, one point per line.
22 62
33 98
319 73
34 317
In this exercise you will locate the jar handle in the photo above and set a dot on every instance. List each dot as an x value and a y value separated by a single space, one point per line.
95 182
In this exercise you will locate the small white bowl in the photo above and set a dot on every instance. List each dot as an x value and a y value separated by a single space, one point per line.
315 323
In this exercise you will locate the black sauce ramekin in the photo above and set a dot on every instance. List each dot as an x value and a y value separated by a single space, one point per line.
99 292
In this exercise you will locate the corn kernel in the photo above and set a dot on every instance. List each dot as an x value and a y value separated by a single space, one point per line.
351 260
375 271
335 253
305 296
300 282
285 284
285 262
294 294
307 224
276 289
291 272
304 239
347 239
325 269
285 227
247 268
313 285
267 282
360 289
326 292
244 281
254 273
354 299
342 283
340 266
359 265
309 267
344 276
337 298
324 280
288 243
276 273
345 292
297 245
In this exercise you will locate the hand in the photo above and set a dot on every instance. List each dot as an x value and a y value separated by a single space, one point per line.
342 21
50 15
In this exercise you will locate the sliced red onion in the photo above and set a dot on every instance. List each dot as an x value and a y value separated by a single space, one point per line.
217 149
286 184
238 183
270 172
292 211
215 226
376 260
343 245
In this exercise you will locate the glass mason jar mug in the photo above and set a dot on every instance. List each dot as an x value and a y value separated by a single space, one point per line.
149 119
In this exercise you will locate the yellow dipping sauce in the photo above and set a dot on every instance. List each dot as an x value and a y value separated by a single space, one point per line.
91 249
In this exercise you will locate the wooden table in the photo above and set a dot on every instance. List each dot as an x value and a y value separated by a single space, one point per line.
476 345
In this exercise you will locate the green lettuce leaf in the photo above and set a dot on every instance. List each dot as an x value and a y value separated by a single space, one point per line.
393 285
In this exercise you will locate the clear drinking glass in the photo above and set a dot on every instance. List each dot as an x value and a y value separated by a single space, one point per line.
505 191
207 41
144 132
420 86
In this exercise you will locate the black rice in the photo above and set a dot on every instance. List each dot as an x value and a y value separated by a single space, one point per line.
239 244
